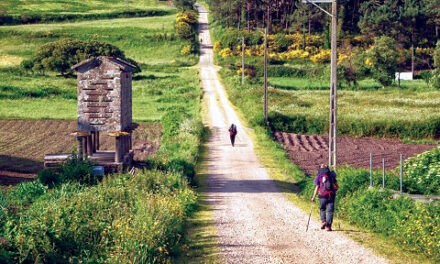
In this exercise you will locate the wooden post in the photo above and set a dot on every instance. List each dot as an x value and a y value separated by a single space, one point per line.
81 138
89 145
117 149
119 144
97 140
80 147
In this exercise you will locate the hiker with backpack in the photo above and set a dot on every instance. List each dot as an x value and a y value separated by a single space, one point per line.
232 133
326 186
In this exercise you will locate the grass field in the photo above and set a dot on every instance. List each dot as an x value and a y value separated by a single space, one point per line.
54 97
13 7
410 111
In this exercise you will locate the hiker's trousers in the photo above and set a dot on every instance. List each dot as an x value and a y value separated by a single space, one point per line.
328 205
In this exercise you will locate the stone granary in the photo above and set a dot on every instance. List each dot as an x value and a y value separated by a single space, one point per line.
104 105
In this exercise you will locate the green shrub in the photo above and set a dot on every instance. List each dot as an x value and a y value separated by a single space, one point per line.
422 173
76 170
185 31
383 59
49 177
282 42
26 193
61 55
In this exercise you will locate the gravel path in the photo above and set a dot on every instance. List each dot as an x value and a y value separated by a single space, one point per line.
255 221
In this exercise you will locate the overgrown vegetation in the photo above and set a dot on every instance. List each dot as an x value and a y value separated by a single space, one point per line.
122 218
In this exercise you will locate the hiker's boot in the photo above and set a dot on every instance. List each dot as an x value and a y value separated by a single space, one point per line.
323 225
328 227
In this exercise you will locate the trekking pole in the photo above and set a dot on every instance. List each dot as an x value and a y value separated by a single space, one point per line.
311 206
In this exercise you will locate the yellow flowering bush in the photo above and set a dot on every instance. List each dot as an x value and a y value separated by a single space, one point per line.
321 57
186 50
342 58
217 46
297 40
369 62
296 54
424 51
227 52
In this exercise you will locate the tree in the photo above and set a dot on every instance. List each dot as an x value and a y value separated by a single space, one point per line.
435 79
61 55
184 4
432 8
381 58
379 17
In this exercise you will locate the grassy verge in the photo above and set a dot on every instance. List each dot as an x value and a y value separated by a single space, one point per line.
201 234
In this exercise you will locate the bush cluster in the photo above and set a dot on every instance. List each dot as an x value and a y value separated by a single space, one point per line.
72 170
422 173
186 22
61 55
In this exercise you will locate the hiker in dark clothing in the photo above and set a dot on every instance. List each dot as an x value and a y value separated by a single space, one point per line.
232 133
326 186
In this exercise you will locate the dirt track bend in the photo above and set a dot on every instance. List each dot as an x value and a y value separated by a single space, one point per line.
255 222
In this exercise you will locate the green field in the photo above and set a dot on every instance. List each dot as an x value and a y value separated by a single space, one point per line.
302 105
54 97
12 7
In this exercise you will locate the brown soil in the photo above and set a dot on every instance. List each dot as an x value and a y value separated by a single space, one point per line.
308 151
23 144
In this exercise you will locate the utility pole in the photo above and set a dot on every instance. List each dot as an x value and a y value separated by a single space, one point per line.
242 60
333 79
333 93
265 75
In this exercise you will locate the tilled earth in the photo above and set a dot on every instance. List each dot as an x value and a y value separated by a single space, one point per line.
308 151
23 144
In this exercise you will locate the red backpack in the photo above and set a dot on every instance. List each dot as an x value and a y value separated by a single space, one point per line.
327 185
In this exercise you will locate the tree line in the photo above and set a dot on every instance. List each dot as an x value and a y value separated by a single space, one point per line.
411 22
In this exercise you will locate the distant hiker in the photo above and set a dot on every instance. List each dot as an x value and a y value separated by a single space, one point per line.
326 186
201 40
232 133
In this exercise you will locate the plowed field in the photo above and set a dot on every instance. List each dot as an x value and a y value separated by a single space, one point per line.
23 144
308 151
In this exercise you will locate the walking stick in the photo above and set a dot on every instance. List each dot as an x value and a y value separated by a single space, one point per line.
311 206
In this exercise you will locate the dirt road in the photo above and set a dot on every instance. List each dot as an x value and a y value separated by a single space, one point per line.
255 222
